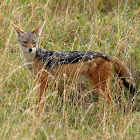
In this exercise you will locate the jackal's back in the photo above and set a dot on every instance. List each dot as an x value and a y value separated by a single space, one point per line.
53 58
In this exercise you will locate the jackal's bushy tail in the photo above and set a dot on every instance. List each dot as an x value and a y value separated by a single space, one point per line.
123 73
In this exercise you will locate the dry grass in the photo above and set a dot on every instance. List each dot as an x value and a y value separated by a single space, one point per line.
104 26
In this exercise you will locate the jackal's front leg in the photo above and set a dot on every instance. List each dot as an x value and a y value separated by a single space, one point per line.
43 85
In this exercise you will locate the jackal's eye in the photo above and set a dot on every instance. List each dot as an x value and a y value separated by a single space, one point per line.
24 42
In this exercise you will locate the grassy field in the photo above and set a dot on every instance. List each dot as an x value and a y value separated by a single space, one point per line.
106 26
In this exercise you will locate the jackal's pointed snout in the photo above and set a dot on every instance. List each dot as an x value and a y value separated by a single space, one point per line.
30 50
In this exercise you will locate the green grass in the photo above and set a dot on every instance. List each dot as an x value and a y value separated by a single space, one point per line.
70 25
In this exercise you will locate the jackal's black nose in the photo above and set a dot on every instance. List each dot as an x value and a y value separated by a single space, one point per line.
30 50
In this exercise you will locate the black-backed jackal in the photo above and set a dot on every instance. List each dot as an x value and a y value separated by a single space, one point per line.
72 65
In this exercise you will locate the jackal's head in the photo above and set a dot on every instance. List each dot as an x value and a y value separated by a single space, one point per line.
28 40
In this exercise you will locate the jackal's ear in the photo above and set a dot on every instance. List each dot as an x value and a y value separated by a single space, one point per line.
18 30
37 31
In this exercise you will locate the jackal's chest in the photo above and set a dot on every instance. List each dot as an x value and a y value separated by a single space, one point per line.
37 68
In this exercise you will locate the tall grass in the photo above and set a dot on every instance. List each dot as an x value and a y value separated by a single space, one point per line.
110 27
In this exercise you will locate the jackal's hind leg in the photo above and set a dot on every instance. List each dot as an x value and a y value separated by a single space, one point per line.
99 77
